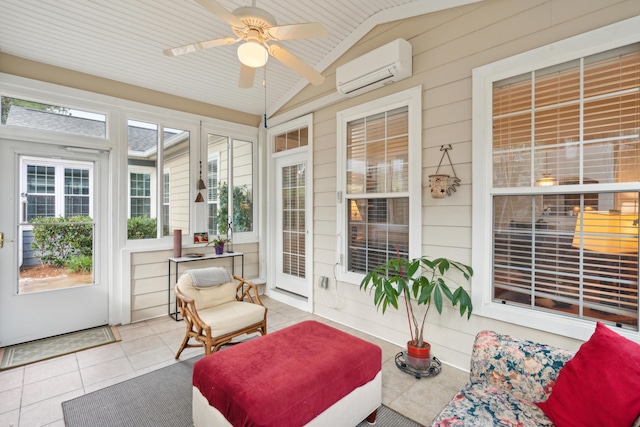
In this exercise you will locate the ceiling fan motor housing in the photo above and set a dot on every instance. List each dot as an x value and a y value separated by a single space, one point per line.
255 19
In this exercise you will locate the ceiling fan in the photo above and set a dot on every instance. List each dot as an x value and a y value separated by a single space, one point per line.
255 28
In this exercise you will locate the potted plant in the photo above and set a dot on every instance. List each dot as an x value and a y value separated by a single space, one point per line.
422 281
218 243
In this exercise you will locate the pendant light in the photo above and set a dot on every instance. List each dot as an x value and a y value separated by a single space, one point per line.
547 180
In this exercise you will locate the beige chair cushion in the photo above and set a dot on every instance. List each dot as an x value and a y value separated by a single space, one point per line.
231 316
205 297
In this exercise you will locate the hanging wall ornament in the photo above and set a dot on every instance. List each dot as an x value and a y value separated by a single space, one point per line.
443 185
201 186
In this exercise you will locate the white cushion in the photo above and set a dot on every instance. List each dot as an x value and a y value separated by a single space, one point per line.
205 297
231 316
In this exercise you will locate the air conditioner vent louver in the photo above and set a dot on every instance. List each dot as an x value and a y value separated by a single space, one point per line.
382 66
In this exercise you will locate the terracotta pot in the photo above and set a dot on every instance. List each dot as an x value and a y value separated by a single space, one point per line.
419 357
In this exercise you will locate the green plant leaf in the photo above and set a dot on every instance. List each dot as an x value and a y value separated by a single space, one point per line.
437 299
390 294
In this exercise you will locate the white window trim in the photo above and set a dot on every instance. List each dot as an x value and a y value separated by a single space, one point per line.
413 99
593 42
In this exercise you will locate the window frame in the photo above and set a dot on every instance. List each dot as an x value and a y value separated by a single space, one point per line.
593 42
411 98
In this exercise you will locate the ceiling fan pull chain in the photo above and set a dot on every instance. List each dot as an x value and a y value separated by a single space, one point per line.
264 84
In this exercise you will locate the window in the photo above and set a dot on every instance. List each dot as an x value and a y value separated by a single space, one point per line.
561 200
140 195
230 165
212 192
159 179
295 139
166 199
380 211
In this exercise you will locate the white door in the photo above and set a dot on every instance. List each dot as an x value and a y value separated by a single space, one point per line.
291 232
61 287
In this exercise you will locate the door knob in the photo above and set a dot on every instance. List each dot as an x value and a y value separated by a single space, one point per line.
2 240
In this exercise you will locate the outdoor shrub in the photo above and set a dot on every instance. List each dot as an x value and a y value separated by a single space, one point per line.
141 227
79 264
55 240
242 209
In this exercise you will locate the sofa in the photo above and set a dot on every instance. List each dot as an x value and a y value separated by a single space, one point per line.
516 382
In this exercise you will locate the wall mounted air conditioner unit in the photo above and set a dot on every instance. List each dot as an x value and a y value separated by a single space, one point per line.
382 66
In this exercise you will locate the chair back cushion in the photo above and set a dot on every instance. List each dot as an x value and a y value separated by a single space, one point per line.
212 276
206 296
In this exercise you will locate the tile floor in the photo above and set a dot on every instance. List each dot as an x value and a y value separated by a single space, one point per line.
31 396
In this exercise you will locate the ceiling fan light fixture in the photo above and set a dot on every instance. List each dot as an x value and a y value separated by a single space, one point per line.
252 54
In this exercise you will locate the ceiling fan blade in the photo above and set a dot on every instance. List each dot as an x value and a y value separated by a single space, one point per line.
223 13
296 64
247 76
298 31
181 50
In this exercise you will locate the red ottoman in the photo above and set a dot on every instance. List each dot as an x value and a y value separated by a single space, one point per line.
306 374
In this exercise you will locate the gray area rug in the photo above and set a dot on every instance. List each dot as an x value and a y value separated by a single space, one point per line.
160 398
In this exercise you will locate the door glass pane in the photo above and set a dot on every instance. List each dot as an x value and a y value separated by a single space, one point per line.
293 219
56 237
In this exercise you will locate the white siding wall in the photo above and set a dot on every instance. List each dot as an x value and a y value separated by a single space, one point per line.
446 47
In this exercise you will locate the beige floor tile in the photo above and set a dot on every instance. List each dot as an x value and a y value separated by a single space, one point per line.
164 324
133 334
47 411
11 378
151 357
10 400
141 344
51 387
50 368
90 388
10 419
106 370
94 356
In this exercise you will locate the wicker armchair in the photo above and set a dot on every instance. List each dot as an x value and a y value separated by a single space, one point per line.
214 315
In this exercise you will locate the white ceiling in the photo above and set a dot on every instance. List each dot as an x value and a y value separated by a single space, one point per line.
123 40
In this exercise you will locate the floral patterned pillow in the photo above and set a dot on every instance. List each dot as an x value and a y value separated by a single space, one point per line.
526 369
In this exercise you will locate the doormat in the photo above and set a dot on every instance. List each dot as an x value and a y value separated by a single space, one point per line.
47 348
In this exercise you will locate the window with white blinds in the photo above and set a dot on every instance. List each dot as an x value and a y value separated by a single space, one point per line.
565 172
379 182
377 189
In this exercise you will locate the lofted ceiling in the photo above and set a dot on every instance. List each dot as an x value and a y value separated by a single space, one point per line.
123 40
